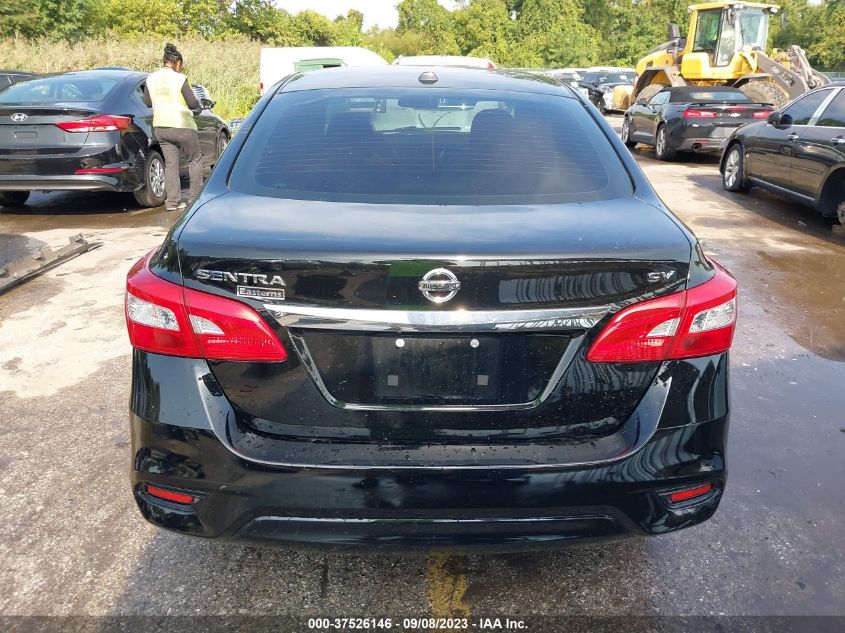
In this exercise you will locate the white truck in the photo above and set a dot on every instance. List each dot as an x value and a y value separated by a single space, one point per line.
278 63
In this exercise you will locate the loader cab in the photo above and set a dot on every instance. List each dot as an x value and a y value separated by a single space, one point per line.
720 30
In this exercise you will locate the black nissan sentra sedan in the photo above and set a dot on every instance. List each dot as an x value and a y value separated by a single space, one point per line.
428 307
88 131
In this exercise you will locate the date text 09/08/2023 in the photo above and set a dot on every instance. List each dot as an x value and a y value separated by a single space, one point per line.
413 624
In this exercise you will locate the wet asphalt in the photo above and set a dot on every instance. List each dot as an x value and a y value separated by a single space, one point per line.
73 543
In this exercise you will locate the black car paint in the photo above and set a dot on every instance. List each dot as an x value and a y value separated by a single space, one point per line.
9 77
213 429
699 135
30 167
803 162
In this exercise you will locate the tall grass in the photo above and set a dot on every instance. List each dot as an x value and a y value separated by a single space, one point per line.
228 68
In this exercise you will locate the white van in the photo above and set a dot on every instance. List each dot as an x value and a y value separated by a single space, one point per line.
278 63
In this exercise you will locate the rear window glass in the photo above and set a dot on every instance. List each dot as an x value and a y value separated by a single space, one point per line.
428 146
64 88
711 96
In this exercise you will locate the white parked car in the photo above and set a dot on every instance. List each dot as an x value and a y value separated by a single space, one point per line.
444 60
278 63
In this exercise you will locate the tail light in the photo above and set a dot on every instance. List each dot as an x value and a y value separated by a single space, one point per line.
102 123
166 318
695 322
100 170
169 495
491 66
762 114
689 493
699 114
261 85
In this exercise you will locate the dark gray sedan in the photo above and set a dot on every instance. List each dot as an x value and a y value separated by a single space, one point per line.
689 119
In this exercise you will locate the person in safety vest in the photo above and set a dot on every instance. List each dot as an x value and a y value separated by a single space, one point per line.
174 105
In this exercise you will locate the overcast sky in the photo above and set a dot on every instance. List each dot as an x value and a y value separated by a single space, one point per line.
380 12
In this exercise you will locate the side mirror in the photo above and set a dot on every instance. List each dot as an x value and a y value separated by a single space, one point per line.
641 102
779 119
207 104
674 32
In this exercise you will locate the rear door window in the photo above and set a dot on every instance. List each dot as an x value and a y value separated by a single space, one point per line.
834 114
803 110
59 89
428 146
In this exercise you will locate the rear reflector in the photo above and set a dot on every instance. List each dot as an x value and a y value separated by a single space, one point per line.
695 322
699 114
102 123
762 114
690 493
100 170
166 318
168 495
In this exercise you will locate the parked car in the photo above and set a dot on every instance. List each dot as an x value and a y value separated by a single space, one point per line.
689 119
276 63
385 323
444 60
598 84
88 130
569 76
9 77
798 152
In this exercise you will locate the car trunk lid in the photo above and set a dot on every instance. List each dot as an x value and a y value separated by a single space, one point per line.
374 358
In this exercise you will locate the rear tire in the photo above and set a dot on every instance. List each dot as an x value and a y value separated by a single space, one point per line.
626 133
13 198
733 176
661 144
840 213
765 92
152 194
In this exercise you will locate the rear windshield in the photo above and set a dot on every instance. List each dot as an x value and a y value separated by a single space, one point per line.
711 96
428 146
63 88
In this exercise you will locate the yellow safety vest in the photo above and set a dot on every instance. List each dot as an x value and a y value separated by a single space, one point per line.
169 107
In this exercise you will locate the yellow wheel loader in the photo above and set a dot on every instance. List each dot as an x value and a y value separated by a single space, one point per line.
725 46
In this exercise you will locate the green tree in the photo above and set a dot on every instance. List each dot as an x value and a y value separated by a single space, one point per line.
146 17
432 21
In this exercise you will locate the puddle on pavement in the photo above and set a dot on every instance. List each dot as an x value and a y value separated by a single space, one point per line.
82 211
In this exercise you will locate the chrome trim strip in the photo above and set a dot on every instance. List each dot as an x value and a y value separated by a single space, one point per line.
309 364
311 317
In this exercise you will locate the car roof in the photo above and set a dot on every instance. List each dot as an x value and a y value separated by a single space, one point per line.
602 69
408 77
92 74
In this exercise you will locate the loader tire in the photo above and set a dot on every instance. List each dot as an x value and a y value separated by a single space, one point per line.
765 92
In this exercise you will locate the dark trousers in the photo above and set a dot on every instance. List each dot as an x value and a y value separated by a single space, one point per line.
175 141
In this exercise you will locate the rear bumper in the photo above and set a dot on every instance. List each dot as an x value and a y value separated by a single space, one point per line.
503 510
699 137
121 181
253 485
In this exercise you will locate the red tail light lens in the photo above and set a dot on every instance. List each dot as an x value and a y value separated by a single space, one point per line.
168 495
690 493
762 114
699 114
103 123
166 318
695 322
100 170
